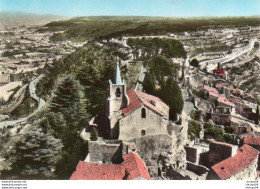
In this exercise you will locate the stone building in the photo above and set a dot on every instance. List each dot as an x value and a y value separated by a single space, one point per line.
4 79
130 114
221 115
242 166
131 168
219 151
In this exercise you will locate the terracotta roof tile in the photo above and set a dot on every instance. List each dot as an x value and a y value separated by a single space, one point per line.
225 101
210 89
151 97
132 167
244 157
135 167
134 102
93 171
137 99
251 140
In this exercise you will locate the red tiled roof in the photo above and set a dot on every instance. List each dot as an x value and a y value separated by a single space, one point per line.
244 157
135 167
93 171
213 94
225 101
218 70
132 167
150 97
134 102
137 99
210 89
251 140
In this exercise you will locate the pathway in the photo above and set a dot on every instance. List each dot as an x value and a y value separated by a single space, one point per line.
41 103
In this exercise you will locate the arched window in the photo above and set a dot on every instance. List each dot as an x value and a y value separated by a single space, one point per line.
118 92
143 113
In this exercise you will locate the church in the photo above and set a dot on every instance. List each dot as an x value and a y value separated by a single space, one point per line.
128 114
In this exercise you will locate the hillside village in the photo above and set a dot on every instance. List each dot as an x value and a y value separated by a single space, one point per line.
207 128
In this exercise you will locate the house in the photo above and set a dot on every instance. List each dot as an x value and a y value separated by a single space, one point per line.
241 166
212 93
239 105
219 151
132 168
254 142
221 115
223 101
130 114
219 72
4 79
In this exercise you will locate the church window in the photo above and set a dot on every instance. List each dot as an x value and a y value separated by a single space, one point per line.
143 113
118 92
142 132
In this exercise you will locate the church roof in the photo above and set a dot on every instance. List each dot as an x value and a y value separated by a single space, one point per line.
244 157
132 167
137 99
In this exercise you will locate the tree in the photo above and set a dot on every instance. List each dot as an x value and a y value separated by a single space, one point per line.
194 62
257 115
93 134
194 129
149 84
171 94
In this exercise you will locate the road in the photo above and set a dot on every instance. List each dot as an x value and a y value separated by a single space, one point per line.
232 56
41 104
238 118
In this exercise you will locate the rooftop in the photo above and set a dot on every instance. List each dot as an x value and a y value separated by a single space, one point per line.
225 101
137 99
210 89
131 168
251 140
244 157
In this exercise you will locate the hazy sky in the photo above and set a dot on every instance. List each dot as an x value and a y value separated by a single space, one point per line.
169 8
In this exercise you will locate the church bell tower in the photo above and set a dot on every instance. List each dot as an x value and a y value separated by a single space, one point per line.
117 98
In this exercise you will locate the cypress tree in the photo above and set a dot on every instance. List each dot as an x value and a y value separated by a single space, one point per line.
93 135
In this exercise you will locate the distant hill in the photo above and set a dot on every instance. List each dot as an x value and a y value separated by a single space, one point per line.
105 27
20 18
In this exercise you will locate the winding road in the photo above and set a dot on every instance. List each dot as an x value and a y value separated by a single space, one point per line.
232 56
41 104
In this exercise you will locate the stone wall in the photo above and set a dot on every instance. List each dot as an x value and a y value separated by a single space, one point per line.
104 151
220 151
133 124
221 119
198 169
203 105
191 154
249 173
155 151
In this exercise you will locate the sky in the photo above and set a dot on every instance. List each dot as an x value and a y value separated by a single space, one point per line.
165 8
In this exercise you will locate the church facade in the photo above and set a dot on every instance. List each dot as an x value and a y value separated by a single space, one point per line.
130 114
